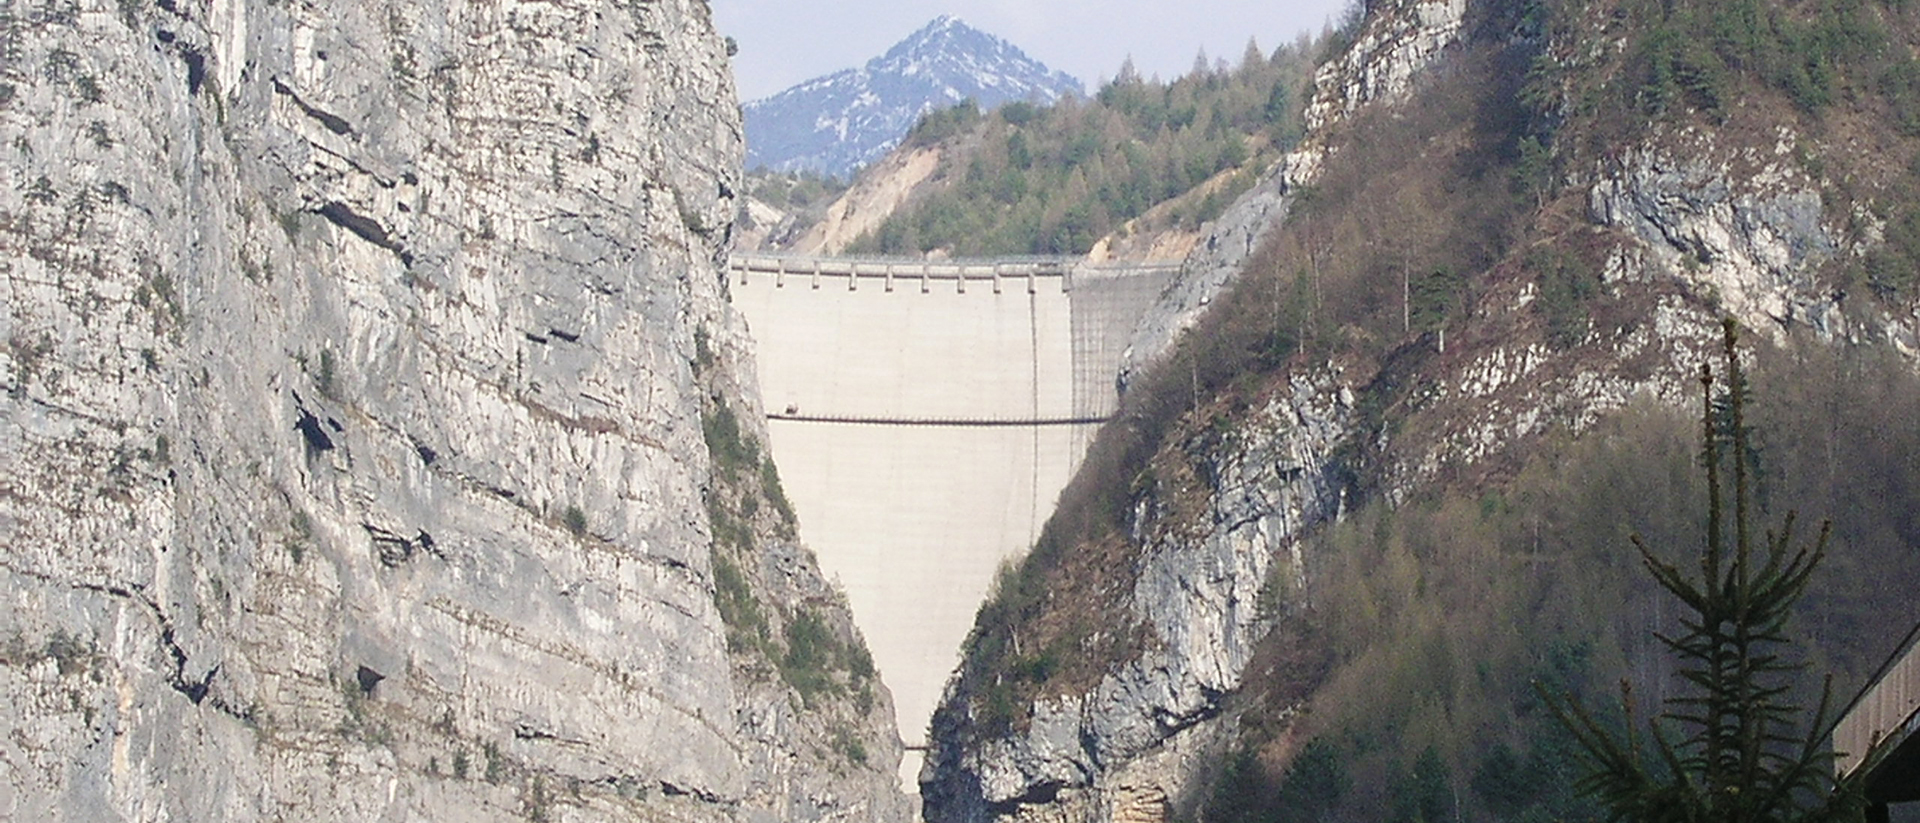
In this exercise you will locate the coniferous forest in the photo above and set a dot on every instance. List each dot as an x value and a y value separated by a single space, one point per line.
1027 179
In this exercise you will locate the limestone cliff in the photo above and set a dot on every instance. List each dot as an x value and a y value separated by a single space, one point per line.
1204 589
372 443
1661 232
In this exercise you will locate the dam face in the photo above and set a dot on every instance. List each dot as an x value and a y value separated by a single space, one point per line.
925 417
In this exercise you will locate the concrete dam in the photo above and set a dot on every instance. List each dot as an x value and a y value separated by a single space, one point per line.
925 416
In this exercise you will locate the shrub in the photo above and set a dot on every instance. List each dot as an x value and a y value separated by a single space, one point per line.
1892 268
730 450
812 655
325 379
739 609
776 494
849 746
496 767
1566 287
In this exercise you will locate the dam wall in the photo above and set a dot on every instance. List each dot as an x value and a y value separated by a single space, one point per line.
925 416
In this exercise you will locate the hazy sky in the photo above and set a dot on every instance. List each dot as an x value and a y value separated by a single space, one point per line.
783 42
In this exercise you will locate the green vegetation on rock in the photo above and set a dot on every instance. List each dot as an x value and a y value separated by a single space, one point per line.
1446 229
1439 622
747 511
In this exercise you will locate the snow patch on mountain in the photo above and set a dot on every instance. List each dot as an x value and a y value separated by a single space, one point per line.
838 123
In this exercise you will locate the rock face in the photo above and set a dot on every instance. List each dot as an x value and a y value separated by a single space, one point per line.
1207 588
358 449
1396 44
1755 239
868 203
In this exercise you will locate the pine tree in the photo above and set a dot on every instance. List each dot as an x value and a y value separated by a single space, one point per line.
1749 754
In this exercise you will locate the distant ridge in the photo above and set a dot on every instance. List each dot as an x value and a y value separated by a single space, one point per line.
838 123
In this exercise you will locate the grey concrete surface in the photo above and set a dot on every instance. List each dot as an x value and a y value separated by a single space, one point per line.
962 452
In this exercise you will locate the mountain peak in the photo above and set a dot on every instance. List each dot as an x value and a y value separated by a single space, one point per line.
947 32
942 26
837 123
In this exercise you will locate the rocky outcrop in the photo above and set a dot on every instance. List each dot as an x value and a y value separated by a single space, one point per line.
1749 229
1208 586
1390 51
1393 47
352 457
1206 272
869 202
1756 243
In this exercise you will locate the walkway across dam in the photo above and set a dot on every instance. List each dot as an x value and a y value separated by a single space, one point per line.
1883 722
925 415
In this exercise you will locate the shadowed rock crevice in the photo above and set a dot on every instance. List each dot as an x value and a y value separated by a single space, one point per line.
333 122
309 428
394 550
367 678
365 228
195 690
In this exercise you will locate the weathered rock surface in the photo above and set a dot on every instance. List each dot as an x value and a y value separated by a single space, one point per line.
351 448
1200 591
1748 228
1394 46
1227 243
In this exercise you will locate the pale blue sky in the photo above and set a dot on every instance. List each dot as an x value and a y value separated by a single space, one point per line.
783 42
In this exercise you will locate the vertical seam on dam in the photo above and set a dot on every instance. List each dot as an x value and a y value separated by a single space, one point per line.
1033 361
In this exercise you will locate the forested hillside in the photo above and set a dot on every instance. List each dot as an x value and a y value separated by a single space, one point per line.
1471 347
1027 179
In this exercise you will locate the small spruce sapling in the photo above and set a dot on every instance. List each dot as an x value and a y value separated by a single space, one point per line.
1749 752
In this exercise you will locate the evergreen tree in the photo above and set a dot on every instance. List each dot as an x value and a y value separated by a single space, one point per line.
1749 753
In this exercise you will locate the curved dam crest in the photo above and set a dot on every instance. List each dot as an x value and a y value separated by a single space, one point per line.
925 416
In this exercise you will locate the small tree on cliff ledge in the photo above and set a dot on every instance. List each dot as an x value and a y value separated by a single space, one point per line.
1749 755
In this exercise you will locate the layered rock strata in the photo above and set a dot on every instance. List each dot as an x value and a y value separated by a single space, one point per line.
358 451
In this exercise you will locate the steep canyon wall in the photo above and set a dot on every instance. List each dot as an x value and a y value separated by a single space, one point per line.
352 457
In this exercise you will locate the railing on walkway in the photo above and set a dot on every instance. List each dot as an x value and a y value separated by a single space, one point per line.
959 271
